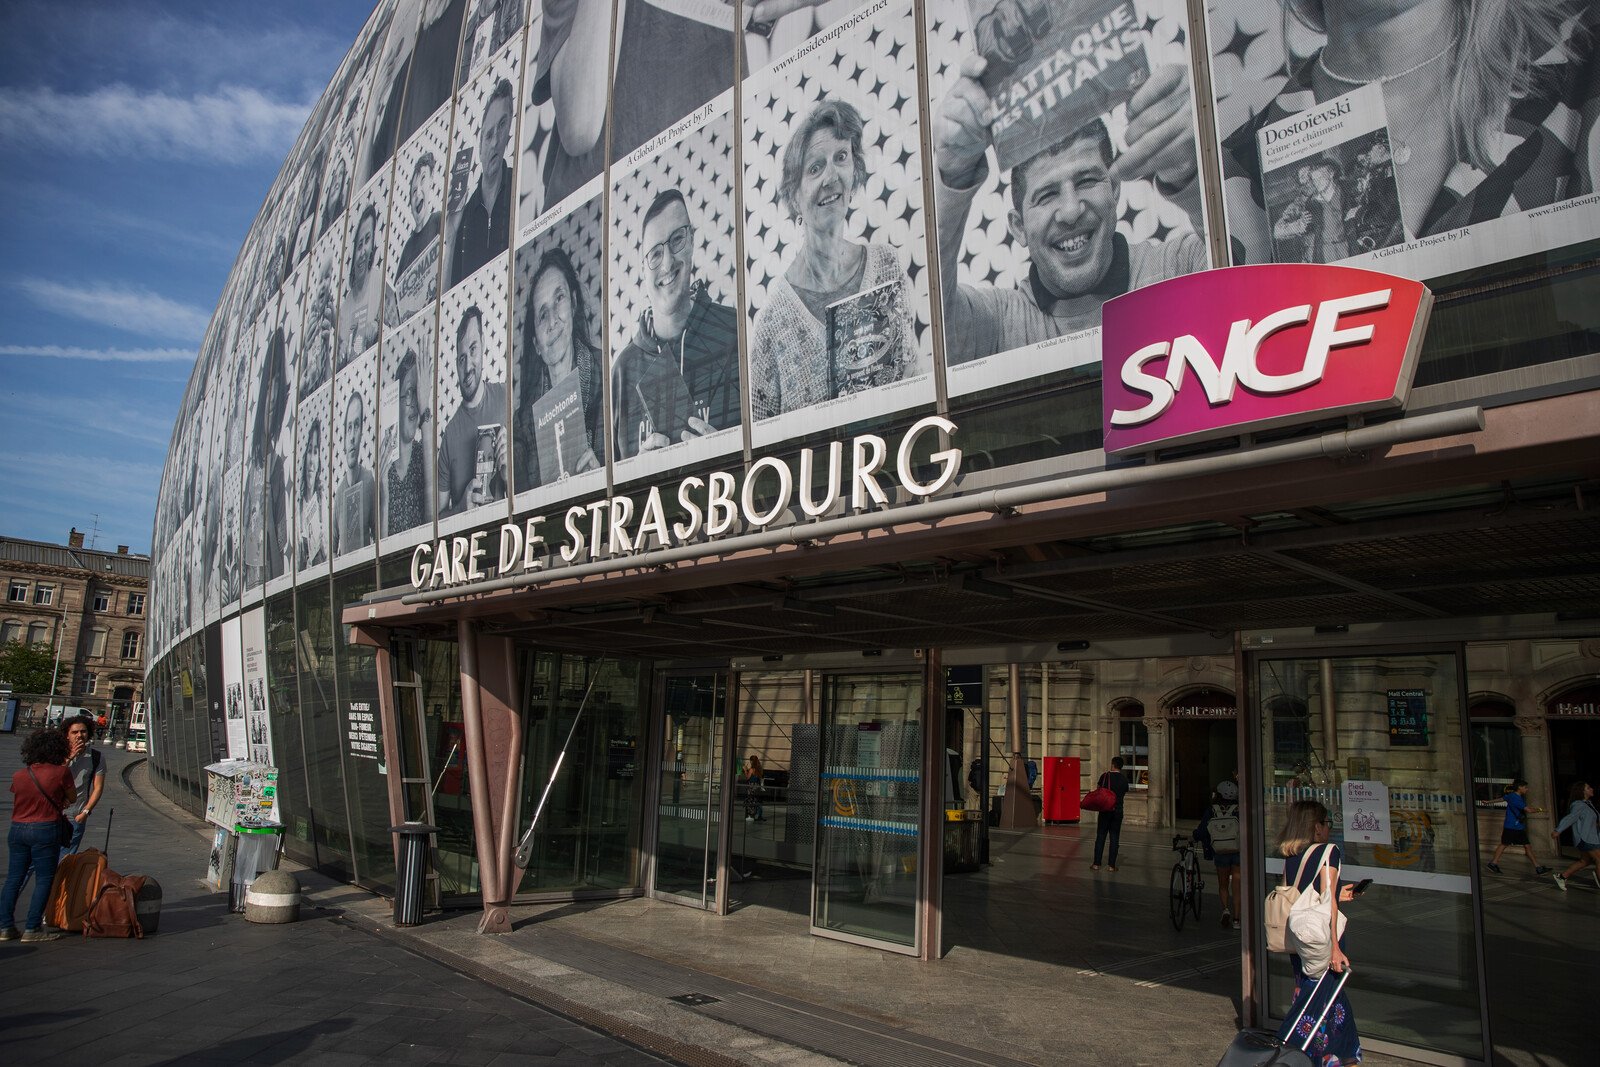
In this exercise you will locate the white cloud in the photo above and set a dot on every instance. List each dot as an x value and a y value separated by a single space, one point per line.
135 310
232 124
108 355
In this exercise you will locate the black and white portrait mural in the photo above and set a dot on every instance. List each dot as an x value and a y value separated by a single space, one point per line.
1064 174
478 206
361 307
675 392
406 472
492 27
473 442
269 414
558 419
561 146
313 437
1417 139
415 241
353 514
834 237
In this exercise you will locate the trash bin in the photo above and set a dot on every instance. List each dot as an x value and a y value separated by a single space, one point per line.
961 833
411 871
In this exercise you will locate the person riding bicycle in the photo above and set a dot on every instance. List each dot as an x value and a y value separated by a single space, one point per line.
1218 832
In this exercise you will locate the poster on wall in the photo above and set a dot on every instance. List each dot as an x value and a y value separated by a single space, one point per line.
364 733
233 700
675 394
481 186
1387 138
361 307
1059 180
415 236
312 482
216 696
253 653
473 443
406 483
561 144
352 517
558 378
1366 812
834 223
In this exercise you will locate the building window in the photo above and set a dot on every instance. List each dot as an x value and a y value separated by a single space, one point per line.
130 644
135 603
1133 744
102 602
1496 749
44 594
18 593
97 643
10 631
87 682
39 633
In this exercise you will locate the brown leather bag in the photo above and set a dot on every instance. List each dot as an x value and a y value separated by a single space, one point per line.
116 910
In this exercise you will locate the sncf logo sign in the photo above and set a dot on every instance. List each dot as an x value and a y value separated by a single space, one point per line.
1215 353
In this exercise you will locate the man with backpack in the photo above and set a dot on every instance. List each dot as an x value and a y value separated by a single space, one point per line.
88 770
1219 833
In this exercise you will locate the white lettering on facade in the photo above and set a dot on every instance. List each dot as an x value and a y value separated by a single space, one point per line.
1239 363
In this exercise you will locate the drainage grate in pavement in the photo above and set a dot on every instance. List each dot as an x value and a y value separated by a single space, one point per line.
694 1000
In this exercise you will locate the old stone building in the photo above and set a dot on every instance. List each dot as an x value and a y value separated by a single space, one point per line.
88 606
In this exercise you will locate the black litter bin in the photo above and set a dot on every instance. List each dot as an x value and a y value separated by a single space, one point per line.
411 871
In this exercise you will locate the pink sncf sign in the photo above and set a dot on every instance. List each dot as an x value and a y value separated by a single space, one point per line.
1215 353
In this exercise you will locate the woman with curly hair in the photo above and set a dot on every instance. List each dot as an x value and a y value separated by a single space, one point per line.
39 791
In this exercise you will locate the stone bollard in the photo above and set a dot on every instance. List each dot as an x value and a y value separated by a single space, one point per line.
274 897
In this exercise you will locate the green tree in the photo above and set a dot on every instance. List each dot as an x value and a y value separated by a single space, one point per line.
27 667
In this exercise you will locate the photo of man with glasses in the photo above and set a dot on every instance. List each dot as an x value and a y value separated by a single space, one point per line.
678 376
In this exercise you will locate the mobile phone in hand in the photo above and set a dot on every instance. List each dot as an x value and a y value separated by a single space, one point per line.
1361 886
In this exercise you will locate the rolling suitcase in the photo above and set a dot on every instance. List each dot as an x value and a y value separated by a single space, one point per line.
74 889
1261 1048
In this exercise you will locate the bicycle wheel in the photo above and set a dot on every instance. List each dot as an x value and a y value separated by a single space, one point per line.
1197 889
1179 883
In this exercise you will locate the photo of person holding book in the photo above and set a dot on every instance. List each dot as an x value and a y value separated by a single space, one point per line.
1488 108
678 376
358 323
472 446
790 364
353 502
312 547
407 474
1064 200
560 417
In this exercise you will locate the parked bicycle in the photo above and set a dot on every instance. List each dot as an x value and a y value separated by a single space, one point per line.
1188 890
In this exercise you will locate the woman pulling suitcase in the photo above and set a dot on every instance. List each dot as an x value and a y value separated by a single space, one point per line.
1308 856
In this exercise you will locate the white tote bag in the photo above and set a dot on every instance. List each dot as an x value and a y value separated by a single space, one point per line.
1310 936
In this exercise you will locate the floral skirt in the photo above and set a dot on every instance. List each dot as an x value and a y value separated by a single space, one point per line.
1335 1042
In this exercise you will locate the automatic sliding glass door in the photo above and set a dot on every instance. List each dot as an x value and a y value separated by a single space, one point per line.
1377 740
869 804
689 787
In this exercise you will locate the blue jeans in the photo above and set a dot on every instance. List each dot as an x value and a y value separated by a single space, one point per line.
34 847
78 827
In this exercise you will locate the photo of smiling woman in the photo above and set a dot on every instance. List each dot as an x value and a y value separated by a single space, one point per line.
1455 115
793 362
559 425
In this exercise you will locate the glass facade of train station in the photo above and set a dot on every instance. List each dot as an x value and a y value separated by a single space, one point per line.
837 440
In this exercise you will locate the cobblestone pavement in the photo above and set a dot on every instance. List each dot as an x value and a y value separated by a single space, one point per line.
210 987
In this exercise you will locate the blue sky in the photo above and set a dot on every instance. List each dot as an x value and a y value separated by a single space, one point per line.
137 141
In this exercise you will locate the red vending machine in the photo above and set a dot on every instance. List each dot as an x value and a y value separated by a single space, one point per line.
1061 784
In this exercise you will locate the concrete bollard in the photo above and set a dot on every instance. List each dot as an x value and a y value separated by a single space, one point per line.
274 897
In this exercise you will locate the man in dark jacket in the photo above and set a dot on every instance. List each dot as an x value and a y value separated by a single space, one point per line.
678 377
